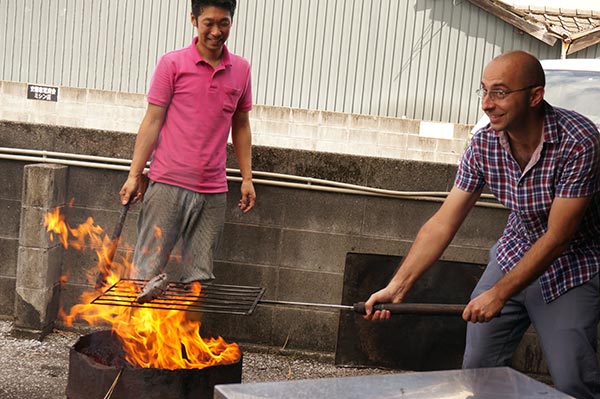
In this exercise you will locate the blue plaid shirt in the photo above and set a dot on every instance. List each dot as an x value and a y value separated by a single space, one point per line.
566 164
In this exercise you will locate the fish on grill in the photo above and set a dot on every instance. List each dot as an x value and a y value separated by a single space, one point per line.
153 289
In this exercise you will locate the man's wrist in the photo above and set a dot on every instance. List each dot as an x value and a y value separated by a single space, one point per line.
501 292
134 175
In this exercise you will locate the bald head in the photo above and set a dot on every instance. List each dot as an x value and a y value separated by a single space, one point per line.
523 69
520 108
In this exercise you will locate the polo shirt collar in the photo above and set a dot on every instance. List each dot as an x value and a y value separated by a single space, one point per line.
197 57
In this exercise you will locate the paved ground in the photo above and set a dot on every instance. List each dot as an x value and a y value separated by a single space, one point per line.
38 370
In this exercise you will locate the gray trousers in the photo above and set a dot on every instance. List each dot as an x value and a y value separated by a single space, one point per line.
170 213
567 329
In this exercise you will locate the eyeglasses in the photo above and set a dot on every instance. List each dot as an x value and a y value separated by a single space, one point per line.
499 94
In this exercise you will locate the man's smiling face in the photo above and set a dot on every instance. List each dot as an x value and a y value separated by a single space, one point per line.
213 25
512 109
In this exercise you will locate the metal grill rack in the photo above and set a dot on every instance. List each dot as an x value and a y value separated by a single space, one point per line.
213 298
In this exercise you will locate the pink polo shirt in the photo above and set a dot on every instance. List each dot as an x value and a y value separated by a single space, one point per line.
191 150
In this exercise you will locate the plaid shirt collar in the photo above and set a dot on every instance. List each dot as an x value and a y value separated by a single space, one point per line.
551 134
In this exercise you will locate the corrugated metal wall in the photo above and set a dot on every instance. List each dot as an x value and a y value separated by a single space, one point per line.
420 59
102 44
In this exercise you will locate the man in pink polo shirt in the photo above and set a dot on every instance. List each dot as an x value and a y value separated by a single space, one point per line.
197 95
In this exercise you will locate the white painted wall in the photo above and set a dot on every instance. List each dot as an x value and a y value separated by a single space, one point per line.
282 127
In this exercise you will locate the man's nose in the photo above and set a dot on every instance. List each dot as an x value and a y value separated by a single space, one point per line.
487 102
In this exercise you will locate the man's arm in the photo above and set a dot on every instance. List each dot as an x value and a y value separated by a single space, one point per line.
241 136
431 241
564 219
144 145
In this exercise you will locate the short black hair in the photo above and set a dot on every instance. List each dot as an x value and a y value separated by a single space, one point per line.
199 5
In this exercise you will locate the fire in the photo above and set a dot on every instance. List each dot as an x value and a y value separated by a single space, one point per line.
152 338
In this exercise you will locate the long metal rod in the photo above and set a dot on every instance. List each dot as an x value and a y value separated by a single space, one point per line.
305 304
433 309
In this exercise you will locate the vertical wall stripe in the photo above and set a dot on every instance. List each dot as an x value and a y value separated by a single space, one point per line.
387 100
4 11
347 67
380 101
24 53
368 60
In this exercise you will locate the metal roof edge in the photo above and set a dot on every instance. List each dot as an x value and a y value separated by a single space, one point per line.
512 16
523 19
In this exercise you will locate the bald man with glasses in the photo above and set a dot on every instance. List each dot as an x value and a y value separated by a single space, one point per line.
542 163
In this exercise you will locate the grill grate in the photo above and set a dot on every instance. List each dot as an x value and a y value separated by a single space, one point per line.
213 298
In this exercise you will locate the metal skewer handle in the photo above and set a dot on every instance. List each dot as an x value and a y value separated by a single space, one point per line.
436 309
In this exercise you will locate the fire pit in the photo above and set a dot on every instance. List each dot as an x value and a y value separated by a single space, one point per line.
96 360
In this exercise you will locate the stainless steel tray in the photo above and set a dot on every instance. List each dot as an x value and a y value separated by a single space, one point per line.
485 383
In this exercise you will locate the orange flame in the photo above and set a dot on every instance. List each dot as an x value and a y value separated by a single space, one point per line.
152 338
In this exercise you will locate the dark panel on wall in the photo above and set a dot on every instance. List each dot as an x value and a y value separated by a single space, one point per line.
407 342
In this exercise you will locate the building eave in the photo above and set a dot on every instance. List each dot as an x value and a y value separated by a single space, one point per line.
510 15
575 29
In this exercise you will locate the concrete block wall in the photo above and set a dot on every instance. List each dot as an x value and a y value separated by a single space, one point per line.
293 244
292 232
279 127
10 215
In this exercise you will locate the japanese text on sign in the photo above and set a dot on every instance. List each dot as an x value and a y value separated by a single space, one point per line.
44 93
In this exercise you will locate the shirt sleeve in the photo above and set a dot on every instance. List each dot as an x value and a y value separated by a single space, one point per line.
469 177
162 83
581 174
245 102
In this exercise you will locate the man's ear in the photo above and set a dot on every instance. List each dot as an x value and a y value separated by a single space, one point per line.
536 96
194 20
